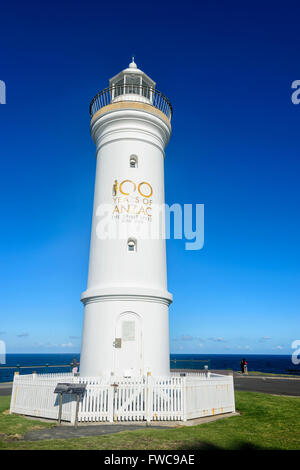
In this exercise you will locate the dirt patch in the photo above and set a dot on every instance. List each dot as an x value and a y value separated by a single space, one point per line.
11 437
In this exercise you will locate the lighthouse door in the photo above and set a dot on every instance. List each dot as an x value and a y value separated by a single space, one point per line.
128 353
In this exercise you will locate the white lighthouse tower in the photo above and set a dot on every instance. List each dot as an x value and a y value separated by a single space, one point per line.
126 325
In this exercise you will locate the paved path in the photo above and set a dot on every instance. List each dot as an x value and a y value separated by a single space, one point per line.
69 432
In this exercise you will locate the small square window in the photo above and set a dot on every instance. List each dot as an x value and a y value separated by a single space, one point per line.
133 160
131 245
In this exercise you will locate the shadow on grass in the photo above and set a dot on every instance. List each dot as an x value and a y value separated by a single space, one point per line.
202 445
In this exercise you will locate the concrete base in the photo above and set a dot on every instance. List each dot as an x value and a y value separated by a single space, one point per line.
141 424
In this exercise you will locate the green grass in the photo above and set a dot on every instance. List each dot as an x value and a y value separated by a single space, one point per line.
13 427
265 374
266 422
272 374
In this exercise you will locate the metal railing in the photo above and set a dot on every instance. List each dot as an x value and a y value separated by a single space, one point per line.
40 366
7 372
197 364
190 364
177 366
136 93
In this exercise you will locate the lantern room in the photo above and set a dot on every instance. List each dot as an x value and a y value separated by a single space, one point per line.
132 84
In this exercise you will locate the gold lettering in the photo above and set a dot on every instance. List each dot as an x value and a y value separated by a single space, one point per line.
149 186
127 181
123 208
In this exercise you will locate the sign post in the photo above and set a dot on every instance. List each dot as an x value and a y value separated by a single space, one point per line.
70 389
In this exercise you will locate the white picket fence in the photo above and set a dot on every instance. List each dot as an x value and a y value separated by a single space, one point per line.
126 399
215 397
34 395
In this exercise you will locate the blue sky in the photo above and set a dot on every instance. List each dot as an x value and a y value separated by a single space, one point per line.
227 69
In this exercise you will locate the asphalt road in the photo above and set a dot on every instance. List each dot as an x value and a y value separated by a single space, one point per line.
275 386
5 389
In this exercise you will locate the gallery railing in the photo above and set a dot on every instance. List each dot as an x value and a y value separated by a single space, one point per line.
135 93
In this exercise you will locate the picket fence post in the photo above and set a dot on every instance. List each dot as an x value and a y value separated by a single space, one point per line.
73 412
149 392
73 403
14 392
184 391
111 392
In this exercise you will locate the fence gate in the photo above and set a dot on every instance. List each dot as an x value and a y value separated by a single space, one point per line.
129 400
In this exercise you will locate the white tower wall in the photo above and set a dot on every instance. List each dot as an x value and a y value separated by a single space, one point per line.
126 297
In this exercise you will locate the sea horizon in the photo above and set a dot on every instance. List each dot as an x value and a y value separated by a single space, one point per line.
177 354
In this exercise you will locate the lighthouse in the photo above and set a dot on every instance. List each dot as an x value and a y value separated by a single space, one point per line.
125 362
126 303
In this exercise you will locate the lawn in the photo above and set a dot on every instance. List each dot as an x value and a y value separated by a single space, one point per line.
271 374
266 422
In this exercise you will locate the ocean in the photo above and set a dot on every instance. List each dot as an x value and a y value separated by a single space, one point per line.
277 364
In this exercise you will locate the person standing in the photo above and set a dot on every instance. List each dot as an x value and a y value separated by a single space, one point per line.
74 365
244 365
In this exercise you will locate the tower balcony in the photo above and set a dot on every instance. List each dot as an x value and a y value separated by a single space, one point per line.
130 93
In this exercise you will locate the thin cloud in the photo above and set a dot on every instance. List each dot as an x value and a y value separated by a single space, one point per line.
45 345
67 345
187 338
264 339
217 340
23 335
74 337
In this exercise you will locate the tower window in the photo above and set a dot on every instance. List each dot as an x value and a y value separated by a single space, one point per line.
132 84
119 87
131 244
133 161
